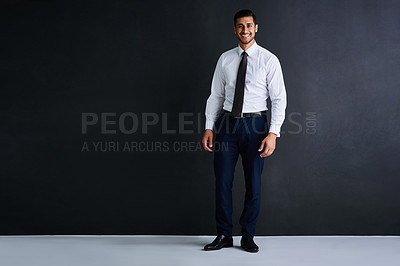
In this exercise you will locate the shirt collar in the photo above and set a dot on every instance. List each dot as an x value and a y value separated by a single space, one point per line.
249 50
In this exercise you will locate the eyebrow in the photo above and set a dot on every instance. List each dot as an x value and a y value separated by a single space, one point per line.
241 24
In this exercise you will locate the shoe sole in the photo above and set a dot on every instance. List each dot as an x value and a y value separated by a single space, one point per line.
248 250
224 246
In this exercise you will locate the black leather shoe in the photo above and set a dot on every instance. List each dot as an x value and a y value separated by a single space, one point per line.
219 242
247 243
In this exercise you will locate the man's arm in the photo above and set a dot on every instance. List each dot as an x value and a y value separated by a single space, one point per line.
214 104
277 94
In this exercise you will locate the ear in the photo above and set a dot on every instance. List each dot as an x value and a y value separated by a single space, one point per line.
256 27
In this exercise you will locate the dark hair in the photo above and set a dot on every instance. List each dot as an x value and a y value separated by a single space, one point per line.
244 13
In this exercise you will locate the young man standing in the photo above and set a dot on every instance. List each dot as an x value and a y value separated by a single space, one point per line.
244 78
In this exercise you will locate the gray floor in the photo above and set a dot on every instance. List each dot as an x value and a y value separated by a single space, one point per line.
187 250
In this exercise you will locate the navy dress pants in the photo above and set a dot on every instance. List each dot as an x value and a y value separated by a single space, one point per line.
234 136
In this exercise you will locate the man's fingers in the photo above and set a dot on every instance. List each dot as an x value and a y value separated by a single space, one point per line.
267 152
207 140
206 146
262 146
264 154
205 143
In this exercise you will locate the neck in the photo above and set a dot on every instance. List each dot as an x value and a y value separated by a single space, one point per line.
246 46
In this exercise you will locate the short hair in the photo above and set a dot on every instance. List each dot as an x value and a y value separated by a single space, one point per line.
244 13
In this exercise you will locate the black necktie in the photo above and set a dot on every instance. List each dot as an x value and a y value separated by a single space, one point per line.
239 89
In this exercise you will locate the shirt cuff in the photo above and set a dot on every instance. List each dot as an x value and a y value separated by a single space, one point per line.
210 124
275 129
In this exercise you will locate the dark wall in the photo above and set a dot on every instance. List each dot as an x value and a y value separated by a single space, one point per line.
336 167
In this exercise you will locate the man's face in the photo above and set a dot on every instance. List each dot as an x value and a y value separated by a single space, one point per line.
245 29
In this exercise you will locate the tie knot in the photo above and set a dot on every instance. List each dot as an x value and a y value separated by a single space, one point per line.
244 54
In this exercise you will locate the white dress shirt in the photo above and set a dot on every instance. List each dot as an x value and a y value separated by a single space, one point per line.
264 79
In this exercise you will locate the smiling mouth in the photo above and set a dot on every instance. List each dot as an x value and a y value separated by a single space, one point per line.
245 35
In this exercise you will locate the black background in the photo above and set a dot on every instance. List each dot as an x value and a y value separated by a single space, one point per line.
336 166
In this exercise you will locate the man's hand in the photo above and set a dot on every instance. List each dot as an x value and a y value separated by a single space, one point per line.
208 140
269 144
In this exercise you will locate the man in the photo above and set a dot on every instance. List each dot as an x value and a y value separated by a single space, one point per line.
244 78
